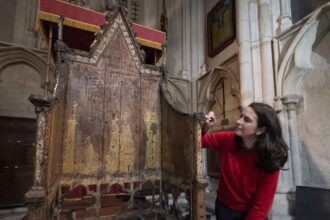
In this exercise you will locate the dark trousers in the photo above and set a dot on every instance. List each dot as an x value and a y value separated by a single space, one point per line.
222 212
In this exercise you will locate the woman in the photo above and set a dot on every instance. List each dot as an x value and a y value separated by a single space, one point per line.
250 160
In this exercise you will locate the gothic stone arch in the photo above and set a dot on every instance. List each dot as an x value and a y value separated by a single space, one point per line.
305 71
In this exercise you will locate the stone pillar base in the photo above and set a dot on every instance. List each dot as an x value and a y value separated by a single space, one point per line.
35 201
283 206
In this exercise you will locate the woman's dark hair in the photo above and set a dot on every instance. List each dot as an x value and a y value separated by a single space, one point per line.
271 149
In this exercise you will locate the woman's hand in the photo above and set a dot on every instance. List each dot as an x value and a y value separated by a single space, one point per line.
206 121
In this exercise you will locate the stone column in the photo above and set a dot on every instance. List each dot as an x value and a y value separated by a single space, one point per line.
197 27
291 103
197 47
30 33
186 46
286 182
255 50
283 204
201 38
267 73
285 20
245 60
35 198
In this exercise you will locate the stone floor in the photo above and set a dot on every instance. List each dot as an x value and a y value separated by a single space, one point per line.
13 214
19 213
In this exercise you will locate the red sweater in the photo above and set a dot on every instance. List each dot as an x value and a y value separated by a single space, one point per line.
242 186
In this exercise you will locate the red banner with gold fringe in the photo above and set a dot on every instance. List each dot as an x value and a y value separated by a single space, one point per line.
89 20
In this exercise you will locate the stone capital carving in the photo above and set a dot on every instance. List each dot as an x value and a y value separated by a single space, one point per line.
39 101
278 105
292 101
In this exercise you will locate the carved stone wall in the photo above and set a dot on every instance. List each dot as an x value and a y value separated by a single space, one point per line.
303 82
22 72
304 71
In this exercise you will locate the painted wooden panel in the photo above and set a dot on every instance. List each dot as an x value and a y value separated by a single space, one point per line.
122 128
122 108
177 144
84 122
112 122
151 124
55 148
